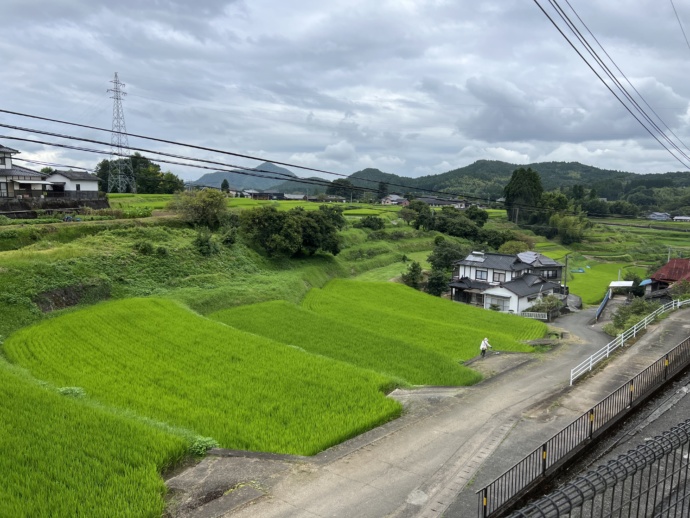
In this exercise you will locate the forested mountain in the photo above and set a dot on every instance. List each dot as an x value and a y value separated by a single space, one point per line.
489 177
241 180
303 186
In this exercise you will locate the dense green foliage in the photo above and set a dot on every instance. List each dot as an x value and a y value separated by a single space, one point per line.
295 232
62 457
413 276
339 340
164 362
149 177
452 329
205 207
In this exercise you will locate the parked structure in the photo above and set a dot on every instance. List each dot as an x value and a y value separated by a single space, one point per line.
681 218
659 216
509 283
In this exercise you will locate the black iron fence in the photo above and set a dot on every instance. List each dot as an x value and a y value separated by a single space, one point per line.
649 481
497 498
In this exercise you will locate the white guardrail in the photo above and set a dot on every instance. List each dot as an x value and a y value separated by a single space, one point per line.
620 340
536 316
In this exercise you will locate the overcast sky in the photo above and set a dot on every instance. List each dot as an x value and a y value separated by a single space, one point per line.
412 87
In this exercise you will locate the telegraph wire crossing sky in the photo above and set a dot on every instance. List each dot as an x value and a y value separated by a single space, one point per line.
411 87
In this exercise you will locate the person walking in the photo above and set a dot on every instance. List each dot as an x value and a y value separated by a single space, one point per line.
484 346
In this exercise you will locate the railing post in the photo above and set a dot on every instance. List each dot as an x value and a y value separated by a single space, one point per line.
485 501
630 402
543 459
590 362
591 423
666 367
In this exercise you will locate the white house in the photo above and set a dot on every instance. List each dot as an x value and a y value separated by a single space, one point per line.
659 216
510 282
394 199
17 181
72 184
681 218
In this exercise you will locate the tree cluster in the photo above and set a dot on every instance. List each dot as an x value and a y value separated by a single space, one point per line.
149 178
294 232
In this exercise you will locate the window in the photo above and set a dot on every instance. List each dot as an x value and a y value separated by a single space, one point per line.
501 303
481 275
499 276
3 190
2 160
78 187
551 274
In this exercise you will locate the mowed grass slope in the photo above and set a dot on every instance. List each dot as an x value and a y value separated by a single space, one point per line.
449 328
333 338
164 362
60 457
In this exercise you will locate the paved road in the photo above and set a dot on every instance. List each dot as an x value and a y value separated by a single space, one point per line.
431 461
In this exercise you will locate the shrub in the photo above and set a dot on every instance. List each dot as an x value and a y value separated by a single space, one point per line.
413 276
204 242
161 251
437 284
372 222
200 445
144 247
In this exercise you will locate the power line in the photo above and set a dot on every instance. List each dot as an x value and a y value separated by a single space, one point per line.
624 76
593 53
680 24
571 25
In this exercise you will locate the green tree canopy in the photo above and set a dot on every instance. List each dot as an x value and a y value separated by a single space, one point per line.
206 207
522 194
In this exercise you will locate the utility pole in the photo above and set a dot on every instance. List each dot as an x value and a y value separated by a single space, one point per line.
120 174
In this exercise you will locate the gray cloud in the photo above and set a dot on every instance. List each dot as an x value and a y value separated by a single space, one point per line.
414 87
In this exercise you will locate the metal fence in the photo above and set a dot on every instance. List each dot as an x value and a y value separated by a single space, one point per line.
620 340
535 315
497 498
649 481
602 306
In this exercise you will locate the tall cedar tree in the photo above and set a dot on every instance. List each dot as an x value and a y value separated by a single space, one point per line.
522 194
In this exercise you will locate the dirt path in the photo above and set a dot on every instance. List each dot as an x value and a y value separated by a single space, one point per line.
420 463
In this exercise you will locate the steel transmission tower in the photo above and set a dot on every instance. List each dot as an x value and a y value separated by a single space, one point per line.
120 174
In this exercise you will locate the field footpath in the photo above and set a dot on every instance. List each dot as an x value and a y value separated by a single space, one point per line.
449 443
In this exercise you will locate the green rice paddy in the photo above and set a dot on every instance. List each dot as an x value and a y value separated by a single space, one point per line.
60 457
353 344
164 362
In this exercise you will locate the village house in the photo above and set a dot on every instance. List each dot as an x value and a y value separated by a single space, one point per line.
17 181
509 283
676 270
442 202
394 199
72 184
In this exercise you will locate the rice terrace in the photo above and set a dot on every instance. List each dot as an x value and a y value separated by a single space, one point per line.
133 342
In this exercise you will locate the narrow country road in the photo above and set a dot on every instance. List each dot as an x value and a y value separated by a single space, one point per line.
422 464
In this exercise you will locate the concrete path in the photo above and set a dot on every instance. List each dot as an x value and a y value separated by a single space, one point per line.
449 442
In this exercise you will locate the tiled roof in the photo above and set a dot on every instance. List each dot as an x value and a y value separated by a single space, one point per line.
674 270
4 149
488 260
466 283
18 170
529 284
76 175
537 260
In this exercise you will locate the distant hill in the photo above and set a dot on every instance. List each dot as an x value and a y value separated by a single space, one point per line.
487 178
256 180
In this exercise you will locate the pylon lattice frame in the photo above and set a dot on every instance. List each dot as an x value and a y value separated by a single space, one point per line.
120 173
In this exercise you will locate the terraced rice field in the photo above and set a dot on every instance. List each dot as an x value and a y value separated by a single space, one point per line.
164 362
448 328
60 457
358 346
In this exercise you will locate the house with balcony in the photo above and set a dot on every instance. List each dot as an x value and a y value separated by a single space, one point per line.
17 181
510 283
